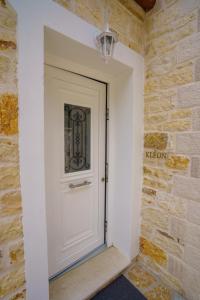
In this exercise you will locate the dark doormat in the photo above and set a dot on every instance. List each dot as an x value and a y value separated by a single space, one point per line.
120 289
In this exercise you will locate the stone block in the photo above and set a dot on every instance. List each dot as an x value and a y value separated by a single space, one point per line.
9 177
12 281
156 173
181 125
140 277
188 188
172 205
189 48
8 19
192 257
147 231
8 114
196 119
10 204
8 151
156 119
167 243
176 267
197 70
177 229
181 114
16 254
155 217
156 140
195 167
154 252
10 230
159 292
180 76
157 185
177 162
191 281
188 96
193 212
161 106
192 235
188 143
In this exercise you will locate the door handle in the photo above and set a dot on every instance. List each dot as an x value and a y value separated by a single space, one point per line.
85 183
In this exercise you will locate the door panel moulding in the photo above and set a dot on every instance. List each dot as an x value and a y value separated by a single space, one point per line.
40 26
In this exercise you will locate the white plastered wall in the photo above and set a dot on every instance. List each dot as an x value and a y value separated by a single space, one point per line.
125 131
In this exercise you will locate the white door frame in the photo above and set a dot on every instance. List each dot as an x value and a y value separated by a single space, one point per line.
126 123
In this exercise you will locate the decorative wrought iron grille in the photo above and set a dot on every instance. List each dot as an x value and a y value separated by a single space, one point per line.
77 123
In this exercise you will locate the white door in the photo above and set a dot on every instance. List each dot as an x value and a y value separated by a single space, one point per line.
75 166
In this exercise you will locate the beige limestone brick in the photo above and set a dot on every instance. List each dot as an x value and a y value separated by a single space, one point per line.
181 114
155 119
177 162
172 205
153 98
168 244
155 217
10 204
156 173
147 231
16 253
196 119
176 267
9 177
11 281
154 252
180 125
192 257
8 19
192 235
177 229
10 230
157 185
197 70
189 48
195 167
177 25
181 75
8 151
161 64
159 292
161 106
188 143
193 212
156 141
141 278
188 188
188 96
191 280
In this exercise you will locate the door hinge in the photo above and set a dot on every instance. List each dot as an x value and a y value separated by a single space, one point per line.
106 175
107 113
106 225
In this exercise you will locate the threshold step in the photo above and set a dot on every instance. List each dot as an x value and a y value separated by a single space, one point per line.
89 278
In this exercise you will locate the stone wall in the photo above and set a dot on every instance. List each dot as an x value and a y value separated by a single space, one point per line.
11 240
126 18
170 233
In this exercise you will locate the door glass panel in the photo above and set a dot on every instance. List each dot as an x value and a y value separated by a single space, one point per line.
77 122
